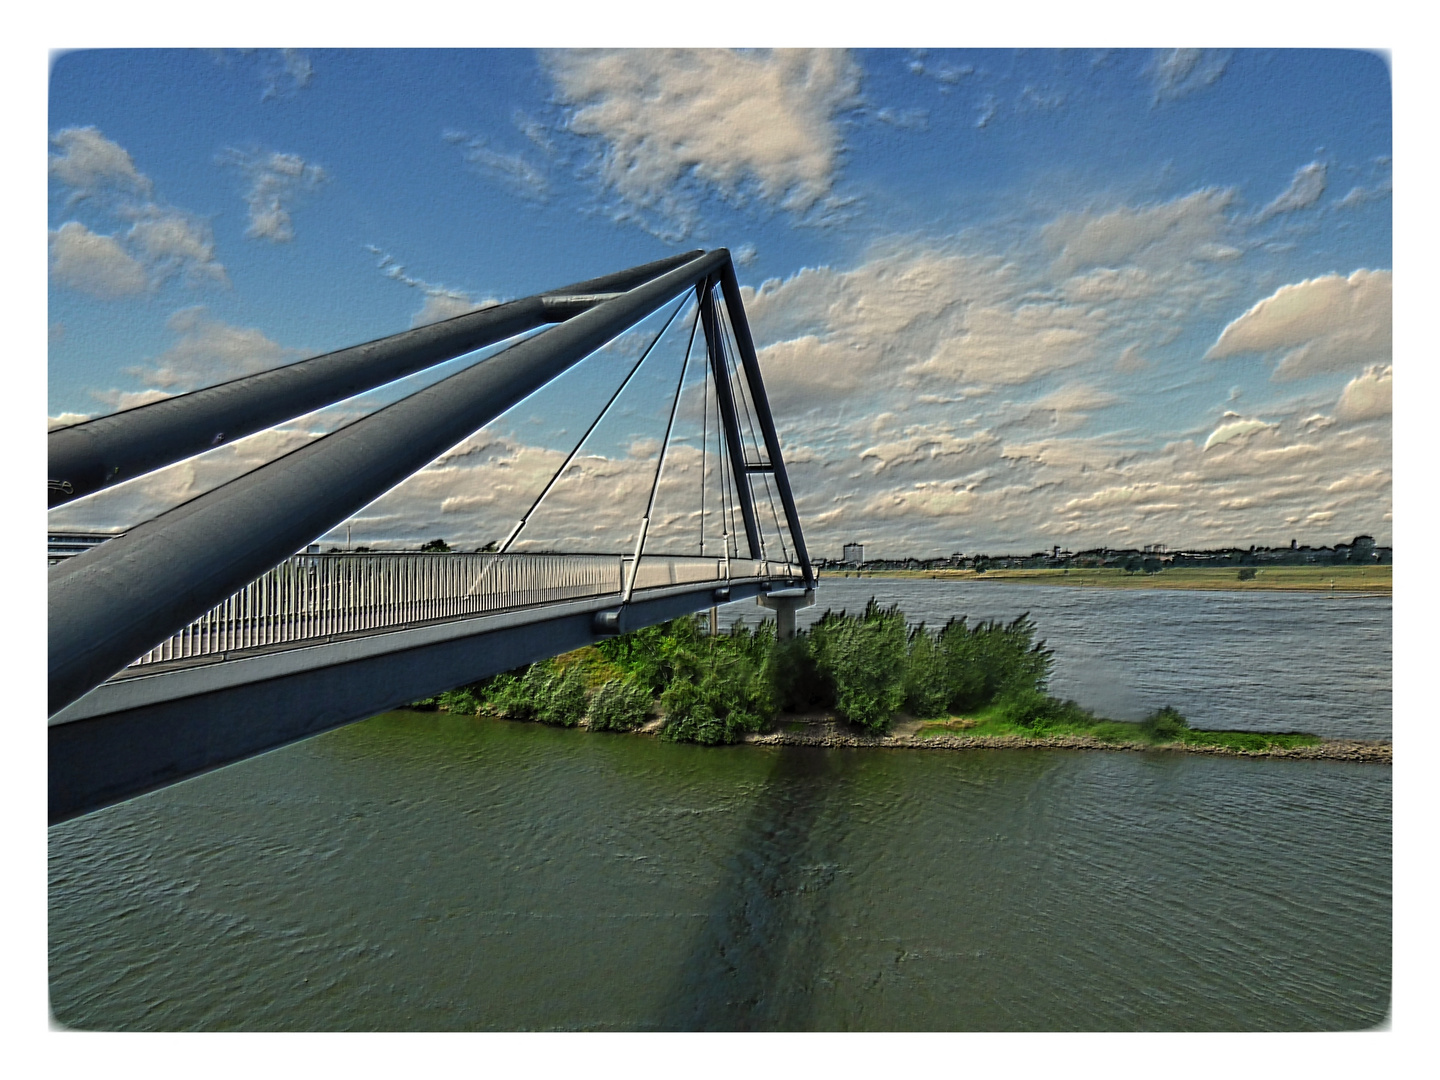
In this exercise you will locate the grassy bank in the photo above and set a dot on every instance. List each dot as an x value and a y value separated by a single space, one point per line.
1319 579
1162 729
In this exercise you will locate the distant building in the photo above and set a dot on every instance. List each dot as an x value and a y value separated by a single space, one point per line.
853 554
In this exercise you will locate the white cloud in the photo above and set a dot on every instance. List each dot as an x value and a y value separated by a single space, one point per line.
174 243
1367 396
724 120
276 181
1304 191
285 72
903 320
1235 427
162 241
445 305
94 263
91 165
1320 325
513 170
1190 227
1178 72
209 351
441 301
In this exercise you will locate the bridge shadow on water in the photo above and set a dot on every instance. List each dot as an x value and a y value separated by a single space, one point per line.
756 965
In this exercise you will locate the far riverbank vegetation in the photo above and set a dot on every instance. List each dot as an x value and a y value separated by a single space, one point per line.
867 670
1318 579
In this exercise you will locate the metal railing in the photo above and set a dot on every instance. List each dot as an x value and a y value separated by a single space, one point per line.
309 598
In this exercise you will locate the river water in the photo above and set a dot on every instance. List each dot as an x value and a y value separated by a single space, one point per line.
421 871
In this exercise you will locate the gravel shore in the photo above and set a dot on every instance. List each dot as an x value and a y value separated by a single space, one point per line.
824 731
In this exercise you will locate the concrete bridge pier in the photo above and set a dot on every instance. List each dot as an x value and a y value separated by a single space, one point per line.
785 602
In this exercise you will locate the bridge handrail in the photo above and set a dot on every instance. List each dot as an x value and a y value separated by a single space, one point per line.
317 596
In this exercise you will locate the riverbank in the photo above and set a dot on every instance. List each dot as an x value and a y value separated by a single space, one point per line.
825 730
1337 580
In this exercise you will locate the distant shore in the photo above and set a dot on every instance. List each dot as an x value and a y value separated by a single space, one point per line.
1339 580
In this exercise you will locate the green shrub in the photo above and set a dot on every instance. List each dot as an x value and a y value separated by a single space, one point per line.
1165 723
461 700
795 679
864 660
991 660
718 709
927 683
1247 573
1037 711
560 697
1026 707
512 694
621 704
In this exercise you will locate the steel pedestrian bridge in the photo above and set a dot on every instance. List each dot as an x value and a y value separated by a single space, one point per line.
197 639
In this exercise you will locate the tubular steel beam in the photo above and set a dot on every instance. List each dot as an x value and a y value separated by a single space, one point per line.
729 418
731 288
109 449
100 760
119 599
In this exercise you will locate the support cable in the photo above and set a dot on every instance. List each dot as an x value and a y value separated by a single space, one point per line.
660 464
525 517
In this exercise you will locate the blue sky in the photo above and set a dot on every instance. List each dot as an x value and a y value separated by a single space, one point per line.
1003 299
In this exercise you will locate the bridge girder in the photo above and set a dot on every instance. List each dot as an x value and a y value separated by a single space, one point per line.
135 735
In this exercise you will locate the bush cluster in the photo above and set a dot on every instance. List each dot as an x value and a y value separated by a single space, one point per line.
1165 723
716 689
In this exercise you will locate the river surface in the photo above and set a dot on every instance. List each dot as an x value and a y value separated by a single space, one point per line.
420 871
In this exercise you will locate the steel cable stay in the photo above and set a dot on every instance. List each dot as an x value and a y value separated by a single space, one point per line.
660 464
554 479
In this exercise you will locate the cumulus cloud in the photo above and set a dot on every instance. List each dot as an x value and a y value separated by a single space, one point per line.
1367 396
712 119
162 241
1178 72
1234 427
1322 324
94 263
209 351
91 165
1191 227
276 181
1304 191
439 306
908 319
174 243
